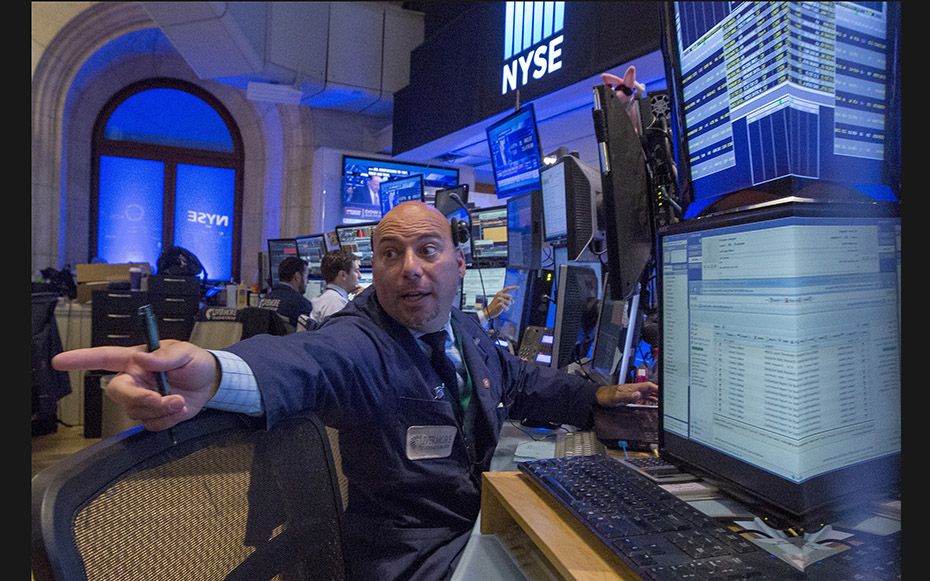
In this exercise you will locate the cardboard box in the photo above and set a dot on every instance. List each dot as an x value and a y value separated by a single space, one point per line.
85 290
108 272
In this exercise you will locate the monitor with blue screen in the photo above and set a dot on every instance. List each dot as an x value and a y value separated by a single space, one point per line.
407 189
780 361
516 157
781 96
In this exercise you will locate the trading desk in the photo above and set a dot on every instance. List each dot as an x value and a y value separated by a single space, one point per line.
524 534
511 507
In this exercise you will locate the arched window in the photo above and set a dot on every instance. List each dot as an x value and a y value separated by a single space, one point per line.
167 170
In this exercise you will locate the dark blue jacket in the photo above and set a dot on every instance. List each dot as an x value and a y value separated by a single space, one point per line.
364 374
287 302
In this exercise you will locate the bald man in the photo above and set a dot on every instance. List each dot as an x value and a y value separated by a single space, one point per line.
368 373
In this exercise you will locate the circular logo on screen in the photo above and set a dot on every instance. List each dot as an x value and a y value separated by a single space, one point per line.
134 212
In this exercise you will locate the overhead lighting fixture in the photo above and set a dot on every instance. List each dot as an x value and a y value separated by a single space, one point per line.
273 93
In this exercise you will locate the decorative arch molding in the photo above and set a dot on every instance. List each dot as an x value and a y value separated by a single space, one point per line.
276 138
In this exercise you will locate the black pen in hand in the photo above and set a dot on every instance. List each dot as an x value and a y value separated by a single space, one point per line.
151 338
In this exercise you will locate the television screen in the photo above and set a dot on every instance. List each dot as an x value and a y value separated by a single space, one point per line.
781 96
780 361
362 178
479 287
401 190
516 153
278 250
356 238
489 236
312 248
444 201
524 237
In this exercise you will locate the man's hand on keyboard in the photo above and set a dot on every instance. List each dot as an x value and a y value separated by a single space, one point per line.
610 396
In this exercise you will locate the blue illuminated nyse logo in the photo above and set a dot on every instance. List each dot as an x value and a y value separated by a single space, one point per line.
532 42
207 218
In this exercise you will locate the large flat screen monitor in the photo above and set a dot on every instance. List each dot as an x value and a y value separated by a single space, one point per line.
627 206
356 238
781 96
571 191
393 192
479 287
278 250
524 231
363 204
312 248
516 153
780 363
576 309
489 236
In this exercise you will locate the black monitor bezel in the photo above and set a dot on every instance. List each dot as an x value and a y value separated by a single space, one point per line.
487 262
364 264
443 198
558 348
815 501
322 238
495 170
272 269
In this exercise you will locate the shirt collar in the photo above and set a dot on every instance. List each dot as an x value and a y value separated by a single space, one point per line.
342 292
448 328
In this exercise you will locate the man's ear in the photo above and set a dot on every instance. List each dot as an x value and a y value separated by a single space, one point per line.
460 259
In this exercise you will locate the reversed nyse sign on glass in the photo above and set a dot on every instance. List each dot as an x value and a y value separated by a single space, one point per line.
532 42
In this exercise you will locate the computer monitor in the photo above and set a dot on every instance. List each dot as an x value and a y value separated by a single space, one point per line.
627 206
785 98
510 323
780 361
479 286
365 279
312 248
407 189
278 250
446 202
571 192
612 324
575 314
356 238
524 231
516 154
489 236
315 287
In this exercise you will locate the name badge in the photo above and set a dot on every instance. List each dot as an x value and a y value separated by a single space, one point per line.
424 442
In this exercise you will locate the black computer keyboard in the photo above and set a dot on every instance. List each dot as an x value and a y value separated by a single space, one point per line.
655 533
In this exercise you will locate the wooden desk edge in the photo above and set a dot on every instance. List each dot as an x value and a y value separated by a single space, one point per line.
507 497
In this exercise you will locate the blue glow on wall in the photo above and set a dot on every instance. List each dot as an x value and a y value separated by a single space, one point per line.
130 210
204 215
169 117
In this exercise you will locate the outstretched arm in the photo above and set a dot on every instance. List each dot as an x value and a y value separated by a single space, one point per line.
192 373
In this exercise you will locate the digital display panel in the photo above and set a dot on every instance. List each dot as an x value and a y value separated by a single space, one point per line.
516 156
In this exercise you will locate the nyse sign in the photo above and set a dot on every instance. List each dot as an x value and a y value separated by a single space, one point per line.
532 42
207 218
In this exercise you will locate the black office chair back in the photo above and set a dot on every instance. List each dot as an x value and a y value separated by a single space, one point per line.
228 500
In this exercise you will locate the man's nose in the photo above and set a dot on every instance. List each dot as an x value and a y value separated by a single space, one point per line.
412 264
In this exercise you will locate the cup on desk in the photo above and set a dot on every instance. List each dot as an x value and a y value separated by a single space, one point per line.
135 278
